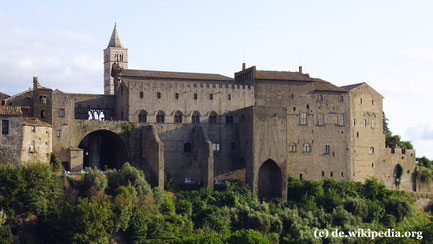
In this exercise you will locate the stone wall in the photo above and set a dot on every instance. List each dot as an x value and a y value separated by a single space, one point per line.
36 143
204 155
152 156
11 144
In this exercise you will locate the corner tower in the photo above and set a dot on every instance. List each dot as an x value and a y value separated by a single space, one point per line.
115 52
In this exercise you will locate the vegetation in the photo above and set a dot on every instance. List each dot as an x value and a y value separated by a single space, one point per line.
393 141
98 207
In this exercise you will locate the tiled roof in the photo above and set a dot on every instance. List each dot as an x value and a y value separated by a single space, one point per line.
2 95
10 110
173 75
350 87
282 75
321 85
34 121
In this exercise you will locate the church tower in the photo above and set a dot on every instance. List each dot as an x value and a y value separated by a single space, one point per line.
115 52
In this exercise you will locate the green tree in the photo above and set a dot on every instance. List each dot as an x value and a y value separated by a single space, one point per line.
55 163
247 237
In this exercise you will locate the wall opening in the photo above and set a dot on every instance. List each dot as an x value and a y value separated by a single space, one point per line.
103 149
270 181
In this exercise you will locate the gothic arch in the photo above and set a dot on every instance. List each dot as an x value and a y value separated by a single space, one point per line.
270 181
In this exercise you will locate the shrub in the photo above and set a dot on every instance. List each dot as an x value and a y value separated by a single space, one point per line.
247 237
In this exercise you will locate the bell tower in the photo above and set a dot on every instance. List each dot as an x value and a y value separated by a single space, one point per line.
115 52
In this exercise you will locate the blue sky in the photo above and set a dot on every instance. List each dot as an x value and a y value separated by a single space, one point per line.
388 44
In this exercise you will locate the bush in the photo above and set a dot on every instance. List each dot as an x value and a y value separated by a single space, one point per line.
126 176
247 237
201 239
94 180
398 207
55 163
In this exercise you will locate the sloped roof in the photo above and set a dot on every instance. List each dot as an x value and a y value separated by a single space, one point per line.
321 85
115 38
34 121
282 75
4 95
173 75
10 110
350 87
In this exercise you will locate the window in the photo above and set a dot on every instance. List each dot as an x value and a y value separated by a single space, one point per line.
323 173
342 175
354 122
321 96
5 127
229 97
340 98
176 96
357 134
58 133
229 119
196 117
307 148
61 112
33 128
372 102
294 109
160 117
141 94
187 147
332 174
327 149
365 123
308 106
178 117
360 101
216 146
300 176
43 114
213 118
371 150
142 116
372 124
32 147
292 147
341 119
195 96
303 119
158 95
320 119
211 96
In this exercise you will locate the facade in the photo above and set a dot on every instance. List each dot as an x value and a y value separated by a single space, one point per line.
259 127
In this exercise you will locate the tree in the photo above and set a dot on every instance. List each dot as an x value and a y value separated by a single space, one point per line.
247 237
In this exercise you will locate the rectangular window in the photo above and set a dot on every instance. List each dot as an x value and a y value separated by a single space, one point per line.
61 112
216 146
33 128
176 96
303 120
5 127
372 123
340 98
58 133
195 96
321 97
229 97
327 149
323 173
32 147
141 94
332 174
320 118
341 119
211 96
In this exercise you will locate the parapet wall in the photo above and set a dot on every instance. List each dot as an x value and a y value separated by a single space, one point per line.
387 171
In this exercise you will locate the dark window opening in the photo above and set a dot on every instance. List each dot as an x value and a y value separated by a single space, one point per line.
308 106
213 118
327 149
160 117
294 109
196 118
332 174
195 96
211 96
178 117
5 127
142 116
43 114
342 174
300 176
357 134
323 173
141 94
229 119
229 97
158 95
187 147
176 96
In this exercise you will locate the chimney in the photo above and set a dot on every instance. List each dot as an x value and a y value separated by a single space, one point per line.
35 83
300 69
243 66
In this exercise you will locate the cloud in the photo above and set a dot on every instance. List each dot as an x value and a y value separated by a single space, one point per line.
421 132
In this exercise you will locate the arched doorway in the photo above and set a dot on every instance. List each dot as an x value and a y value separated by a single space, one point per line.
270 181
103 148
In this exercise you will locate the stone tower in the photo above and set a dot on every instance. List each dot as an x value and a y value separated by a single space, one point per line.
115 52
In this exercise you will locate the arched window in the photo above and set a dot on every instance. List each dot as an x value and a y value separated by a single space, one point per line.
307 147
178 117
292 147
42 113
229 119
142 116
371 150
196 117
160 117
213 117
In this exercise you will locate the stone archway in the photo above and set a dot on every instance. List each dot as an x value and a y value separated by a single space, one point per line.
270 181
103 148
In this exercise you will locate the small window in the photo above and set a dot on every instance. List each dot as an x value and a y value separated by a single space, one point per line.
158 95
229 97
357 134
142 116
321 97
32 147
292 147
176 96
196 117
342 174
323 173
371 150
5 127
303 119
195 96
187 147
340 98
141 94
372 102
354 122
372 124
213 118
341 119
308 106
332 174
229 119
211 96
61 112
294 109
372 165
58 133
33 128
307 148
360 101
178 117
216 146
365 123
43 114
160 117
320 118
327 149
300 176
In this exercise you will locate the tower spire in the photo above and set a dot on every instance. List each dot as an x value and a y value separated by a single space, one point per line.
115 38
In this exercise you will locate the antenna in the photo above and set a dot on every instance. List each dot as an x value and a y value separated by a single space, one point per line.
243 56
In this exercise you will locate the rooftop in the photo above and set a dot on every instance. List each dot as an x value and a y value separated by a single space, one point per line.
10 110
34 121
173 75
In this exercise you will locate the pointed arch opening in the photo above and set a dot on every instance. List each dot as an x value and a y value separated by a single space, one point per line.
270 181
